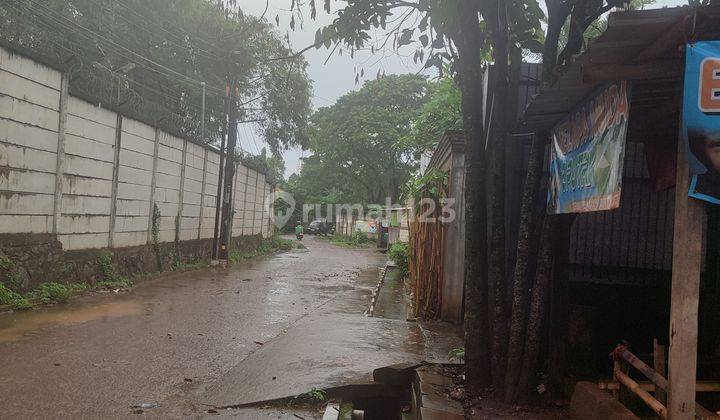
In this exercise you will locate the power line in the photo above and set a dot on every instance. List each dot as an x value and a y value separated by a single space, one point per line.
167 96
149 24
70 24
252 137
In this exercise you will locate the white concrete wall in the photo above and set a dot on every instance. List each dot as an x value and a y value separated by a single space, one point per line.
134 182
88 176
211 184
259 199
241 174
249 211
107 193
192 192
29 118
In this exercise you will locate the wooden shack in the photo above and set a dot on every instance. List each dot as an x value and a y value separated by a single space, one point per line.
648 266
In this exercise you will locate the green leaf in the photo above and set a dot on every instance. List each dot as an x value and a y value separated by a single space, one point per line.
405 37
424 40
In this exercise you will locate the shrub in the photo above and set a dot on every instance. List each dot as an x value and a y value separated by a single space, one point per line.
78 287
267 246
399 253
457 354
15 300
21 304
111 278
5 262
53 293
359 238
280 243
6 295
313 396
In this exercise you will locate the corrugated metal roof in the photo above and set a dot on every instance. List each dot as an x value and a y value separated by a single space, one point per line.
643 43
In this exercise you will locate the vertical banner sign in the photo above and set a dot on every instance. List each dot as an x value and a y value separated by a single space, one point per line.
701 118
587 153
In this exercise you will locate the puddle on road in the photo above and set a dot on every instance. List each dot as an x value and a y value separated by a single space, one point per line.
15 326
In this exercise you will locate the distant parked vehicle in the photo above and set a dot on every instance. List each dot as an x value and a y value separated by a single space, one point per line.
321 227
315 227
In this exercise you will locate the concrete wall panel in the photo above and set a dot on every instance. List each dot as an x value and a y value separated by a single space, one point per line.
84 224
25 224
91 112
137 144
18 157
139 129
83 240
28 90
29 69
16 133
26 181
133 192
79 204
88 168
29 113
26 204
76 185
124 239
89 129
88 148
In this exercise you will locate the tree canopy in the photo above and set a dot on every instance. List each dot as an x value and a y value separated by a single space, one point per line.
440 113
147 58
358 153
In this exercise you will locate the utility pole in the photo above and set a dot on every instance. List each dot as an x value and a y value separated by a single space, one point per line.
221 169
202 114
227 198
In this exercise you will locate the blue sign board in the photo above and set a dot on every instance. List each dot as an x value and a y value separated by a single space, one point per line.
587 153
701 118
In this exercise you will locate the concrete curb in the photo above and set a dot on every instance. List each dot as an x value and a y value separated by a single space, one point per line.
376 291
429 401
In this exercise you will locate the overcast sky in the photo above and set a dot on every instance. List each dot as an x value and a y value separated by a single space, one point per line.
337 77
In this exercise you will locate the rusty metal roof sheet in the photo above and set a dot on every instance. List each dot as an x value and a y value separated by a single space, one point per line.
631 40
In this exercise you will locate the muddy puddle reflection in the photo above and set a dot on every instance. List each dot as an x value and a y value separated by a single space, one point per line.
18 325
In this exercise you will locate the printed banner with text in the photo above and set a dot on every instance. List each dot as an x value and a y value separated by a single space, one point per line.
701 118
587 153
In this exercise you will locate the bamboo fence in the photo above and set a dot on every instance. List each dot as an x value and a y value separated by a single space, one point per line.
425 264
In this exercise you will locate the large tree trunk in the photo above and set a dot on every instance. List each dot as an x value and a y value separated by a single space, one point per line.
477 352
538 307
521 277
501 116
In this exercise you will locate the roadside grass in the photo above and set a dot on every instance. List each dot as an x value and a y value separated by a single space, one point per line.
399 254
267 246
190 265
53 292
457 355
313 396
110 277
357 240
13 299
46 293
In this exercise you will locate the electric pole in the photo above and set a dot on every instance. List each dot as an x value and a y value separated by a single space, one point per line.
221 173
202 114
227 197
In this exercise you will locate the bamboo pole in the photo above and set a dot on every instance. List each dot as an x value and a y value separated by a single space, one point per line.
635 388
623 353
702 386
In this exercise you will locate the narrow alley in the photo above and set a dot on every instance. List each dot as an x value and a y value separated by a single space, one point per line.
178 345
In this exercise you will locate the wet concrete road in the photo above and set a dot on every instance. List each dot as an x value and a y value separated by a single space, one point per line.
264 329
